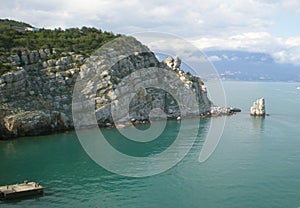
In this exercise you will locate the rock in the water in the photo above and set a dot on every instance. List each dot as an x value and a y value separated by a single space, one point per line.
219 111
258 108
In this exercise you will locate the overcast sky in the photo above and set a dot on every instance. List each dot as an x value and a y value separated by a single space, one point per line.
261 26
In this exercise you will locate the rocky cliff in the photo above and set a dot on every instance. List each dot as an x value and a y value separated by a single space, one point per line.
37 99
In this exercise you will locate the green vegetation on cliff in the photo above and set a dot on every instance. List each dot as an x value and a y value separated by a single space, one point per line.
13 23
17 36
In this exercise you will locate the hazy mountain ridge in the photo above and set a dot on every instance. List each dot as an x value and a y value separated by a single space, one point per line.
248 66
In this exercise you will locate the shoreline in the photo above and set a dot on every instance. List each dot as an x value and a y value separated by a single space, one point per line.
120 125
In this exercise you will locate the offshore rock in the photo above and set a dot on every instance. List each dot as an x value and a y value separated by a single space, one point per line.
219 111
258 108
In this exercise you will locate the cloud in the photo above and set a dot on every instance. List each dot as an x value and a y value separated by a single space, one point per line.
240 25
185 18
214 58
283 50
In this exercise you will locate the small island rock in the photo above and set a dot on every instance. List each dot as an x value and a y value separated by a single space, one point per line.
258 108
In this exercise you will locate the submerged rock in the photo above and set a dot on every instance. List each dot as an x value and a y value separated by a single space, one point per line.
258 108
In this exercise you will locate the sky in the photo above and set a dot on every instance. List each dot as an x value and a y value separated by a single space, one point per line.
268 26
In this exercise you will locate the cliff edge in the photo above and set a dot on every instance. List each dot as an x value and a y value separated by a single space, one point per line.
37 99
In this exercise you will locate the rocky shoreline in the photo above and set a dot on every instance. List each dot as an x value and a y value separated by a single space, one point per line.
37 99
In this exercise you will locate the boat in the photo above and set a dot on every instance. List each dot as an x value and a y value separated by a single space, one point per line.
20 190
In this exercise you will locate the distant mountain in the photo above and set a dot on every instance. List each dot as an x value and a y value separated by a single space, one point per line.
241 65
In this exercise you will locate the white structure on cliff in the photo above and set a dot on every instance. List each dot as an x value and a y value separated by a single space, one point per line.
258 108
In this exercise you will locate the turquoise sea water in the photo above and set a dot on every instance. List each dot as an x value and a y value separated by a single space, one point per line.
256 164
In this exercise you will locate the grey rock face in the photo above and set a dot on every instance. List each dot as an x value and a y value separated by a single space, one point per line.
37 88
29 57
34 123
37 99
117 77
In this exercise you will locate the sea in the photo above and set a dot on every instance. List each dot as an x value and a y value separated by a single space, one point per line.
255 164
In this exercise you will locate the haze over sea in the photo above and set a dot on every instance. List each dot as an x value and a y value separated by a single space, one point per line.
256 164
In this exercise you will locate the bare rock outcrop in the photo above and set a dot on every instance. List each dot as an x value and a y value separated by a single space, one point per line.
173 62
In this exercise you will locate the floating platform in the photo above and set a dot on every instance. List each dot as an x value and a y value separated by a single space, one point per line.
20 190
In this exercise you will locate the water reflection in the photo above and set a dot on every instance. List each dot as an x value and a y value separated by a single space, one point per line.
258 123
9 148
